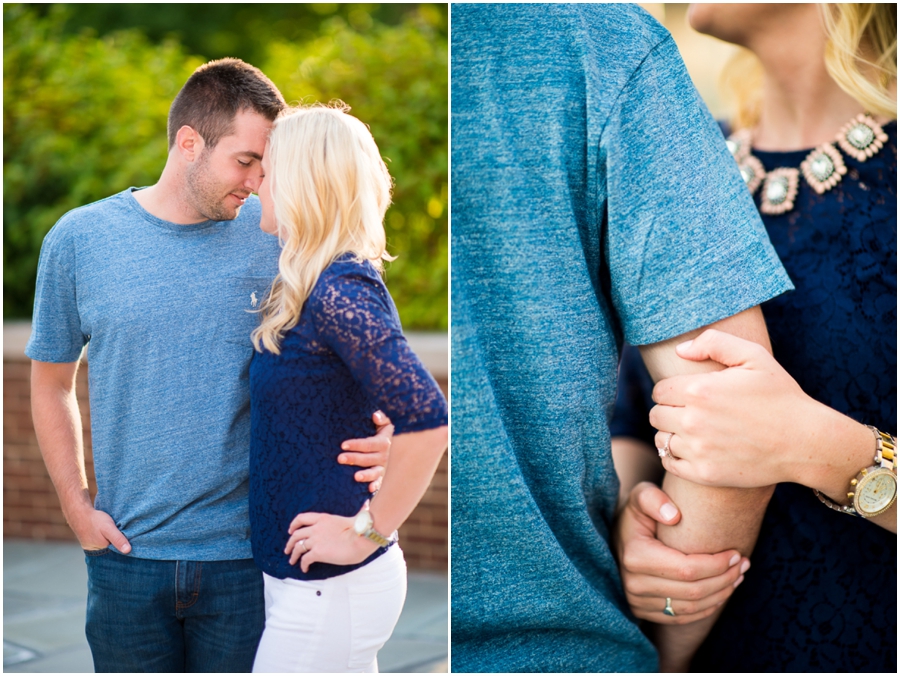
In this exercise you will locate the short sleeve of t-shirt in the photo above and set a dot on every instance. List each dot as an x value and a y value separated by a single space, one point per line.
56 332
355 316
684 241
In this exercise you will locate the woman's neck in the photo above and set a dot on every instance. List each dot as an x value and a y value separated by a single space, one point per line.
802 106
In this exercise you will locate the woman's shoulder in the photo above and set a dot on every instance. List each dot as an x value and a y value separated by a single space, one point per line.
350 298
351 265
346 278
348 269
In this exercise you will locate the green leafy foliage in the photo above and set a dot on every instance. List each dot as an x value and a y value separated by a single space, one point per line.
395 80
82 119
85 117
242 30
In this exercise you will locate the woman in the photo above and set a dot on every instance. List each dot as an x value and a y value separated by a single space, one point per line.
815 137
329 351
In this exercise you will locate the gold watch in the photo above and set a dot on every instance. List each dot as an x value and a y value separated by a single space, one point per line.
874 489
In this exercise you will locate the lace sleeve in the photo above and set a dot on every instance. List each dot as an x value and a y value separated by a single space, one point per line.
354 316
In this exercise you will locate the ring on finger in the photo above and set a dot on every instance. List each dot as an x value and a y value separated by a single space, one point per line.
665 451
302 543
668 609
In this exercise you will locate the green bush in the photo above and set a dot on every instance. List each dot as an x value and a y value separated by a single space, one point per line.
82 119
395 80
85 117
234 29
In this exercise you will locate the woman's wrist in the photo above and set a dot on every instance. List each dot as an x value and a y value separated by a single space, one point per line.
360 544
365 546
841 448
381 521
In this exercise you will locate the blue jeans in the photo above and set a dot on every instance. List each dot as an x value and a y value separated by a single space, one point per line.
173 616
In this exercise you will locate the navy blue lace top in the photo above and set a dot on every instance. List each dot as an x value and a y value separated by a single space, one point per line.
822 592
345 359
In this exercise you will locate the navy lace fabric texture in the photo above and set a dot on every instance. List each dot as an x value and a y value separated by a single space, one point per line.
822 592
345 359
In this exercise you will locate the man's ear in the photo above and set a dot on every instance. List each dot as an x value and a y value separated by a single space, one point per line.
189 143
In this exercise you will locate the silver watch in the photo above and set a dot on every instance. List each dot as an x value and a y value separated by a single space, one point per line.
362 525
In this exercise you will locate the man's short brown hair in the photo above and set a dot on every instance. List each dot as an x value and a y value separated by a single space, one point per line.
215 93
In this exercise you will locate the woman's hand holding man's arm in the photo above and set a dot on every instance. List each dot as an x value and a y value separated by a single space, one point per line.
749 425
752 425
714 520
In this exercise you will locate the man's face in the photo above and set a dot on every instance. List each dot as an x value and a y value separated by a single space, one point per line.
221 179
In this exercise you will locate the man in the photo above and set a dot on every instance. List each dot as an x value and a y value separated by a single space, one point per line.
162 283
593 199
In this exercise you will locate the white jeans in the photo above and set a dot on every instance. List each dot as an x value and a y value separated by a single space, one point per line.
334 625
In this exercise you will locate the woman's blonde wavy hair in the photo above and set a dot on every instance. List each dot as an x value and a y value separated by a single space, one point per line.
331 190
860 55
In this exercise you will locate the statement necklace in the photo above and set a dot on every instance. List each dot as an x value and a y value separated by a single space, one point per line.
823 168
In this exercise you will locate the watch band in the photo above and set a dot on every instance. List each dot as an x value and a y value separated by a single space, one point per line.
843 509
885 457
365 527
376 537
885 453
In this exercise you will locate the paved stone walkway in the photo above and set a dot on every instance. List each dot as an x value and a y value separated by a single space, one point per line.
44 589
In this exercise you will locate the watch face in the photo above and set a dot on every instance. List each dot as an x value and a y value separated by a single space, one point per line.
876 492
363 522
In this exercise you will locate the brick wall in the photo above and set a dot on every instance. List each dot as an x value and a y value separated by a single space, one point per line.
30 506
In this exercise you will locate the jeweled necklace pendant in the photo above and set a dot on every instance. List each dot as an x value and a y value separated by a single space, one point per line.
751 168
823 168
752 171
779 191
739 144
862 137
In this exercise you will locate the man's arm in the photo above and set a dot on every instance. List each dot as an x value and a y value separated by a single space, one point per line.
753 425
713 519
57 423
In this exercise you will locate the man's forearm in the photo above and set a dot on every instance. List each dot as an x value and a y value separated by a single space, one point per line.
57 424
713 519
635 462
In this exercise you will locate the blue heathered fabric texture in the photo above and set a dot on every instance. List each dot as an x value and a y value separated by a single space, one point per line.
344 359
592 196
165 309
837 337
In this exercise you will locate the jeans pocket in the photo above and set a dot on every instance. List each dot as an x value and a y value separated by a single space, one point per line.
95 552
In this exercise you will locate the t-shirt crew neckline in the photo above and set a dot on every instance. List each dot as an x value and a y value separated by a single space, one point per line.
135 206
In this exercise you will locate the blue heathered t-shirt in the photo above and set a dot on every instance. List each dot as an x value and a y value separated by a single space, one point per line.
166 311
592 198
